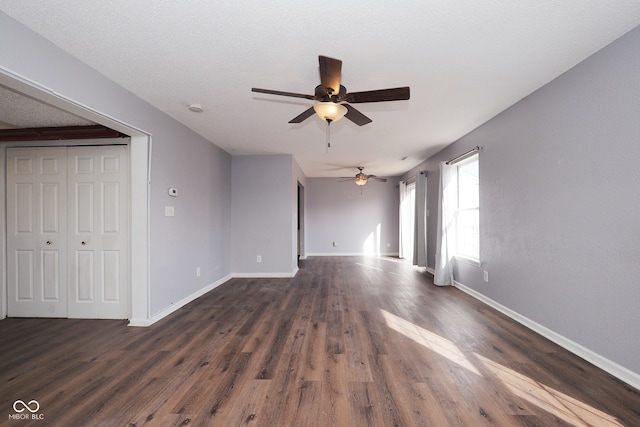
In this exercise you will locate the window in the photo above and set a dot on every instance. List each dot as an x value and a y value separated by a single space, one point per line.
467 210
407 220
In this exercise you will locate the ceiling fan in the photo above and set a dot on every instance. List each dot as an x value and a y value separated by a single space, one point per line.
333 100
361 178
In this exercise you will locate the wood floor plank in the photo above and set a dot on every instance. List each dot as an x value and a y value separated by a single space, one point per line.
384 386
307 405
320 310
270 355
335 406
335 332
312 354
428 403
366 409
348 341
159 406
282 392
357 356
247 407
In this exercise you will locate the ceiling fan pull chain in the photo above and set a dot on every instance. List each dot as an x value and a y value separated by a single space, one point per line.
328 135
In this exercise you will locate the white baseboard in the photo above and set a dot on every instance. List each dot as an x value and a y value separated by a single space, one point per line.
620 372
141 323
178 304
264 275
352 254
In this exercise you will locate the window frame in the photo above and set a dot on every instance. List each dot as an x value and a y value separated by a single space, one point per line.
465 257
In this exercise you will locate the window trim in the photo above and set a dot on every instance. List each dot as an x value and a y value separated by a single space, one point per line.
458 256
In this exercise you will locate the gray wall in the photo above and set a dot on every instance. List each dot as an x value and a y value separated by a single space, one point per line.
199 234
560 204
263 206
338 211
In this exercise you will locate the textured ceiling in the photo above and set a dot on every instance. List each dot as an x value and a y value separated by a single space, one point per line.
465 61
18 111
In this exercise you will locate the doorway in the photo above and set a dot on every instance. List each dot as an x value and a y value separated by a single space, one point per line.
300 227
140 153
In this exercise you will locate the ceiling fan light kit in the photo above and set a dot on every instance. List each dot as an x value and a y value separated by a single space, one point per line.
333 99
330 111
360 179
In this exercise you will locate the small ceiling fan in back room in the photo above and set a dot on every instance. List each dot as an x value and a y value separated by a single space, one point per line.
332 99
361 178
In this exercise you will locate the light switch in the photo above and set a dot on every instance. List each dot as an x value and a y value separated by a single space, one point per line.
169 211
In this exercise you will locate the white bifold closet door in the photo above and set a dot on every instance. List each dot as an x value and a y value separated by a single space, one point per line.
97 229
37 232
67 239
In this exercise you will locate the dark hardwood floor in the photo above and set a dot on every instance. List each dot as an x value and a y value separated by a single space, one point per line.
348 342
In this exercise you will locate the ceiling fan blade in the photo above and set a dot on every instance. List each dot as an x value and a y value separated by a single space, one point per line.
302 117
356 116
330 73
380 95
378 179
281 93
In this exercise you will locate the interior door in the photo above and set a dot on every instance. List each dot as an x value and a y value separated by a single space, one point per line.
36 232
98 229
67 232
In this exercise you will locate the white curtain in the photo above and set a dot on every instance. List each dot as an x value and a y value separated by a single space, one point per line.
420 227
444 239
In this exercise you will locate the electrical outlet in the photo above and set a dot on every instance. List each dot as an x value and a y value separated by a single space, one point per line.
486 276
259 258
388 245
198 272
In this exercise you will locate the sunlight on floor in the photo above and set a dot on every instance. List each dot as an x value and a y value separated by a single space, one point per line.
369 266
559 404
430 340
553 401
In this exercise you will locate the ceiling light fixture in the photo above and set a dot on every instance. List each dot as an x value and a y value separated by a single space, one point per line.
330 111
361 179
